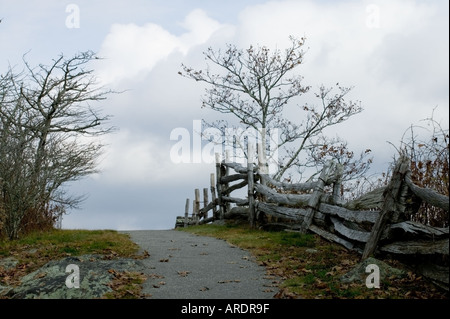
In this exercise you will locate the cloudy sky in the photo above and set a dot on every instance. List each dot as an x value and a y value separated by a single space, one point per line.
395 53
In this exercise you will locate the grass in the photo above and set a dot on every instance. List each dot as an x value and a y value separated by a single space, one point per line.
38 248
307 266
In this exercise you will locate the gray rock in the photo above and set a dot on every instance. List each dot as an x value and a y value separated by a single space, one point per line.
8 263
5 290
49 281
359 274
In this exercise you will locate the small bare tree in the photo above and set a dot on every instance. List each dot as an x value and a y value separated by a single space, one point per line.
256 85
47 119
428 148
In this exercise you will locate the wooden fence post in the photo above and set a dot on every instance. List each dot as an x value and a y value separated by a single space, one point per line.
186 213
392 201
205 202
251 191
263 171
227 205
338 184
213 196
314 201
219 186
196 205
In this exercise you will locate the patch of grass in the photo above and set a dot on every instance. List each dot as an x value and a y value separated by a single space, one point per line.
307 266
126 285
38 248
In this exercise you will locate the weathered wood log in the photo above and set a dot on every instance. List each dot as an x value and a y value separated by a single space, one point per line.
238 168
370 200
219 186
237 201
299 187
250 189
336 195
392 196
414 229
234 187
331 237
206 220
294 214
203 211
196 209
314 200
232 178
429 195
238 213
272 196
353 234
226 172
186 213
350 215
418 247
213 195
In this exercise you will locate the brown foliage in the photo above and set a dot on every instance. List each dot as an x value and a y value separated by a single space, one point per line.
429 168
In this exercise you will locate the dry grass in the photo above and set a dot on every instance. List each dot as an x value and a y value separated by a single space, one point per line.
36 249
310 267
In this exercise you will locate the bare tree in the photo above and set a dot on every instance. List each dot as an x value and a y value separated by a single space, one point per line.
256 85
427 146
47 119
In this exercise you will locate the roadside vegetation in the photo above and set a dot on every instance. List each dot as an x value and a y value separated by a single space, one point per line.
309 267
36 249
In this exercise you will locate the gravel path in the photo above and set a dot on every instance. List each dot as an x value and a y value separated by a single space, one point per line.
187 266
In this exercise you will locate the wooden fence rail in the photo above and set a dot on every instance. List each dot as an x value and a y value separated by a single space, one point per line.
377 222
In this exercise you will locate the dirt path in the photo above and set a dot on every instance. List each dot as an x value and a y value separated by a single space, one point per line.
187 266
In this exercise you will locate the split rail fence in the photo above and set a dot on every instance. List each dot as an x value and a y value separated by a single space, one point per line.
375 223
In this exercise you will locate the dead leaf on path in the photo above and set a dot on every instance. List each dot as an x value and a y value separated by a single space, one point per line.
285 294
164 260
228 281
183 273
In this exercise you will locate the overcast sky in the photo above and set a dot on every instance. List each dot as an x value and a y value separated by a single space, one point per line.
394 53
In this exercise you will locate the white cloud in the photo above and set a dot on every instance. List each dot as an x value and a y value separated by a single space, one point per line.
132 51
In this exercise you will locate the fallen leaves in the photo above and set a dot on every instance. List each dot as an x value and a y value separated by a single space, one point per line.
228 281
159 284
126 285
183 273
